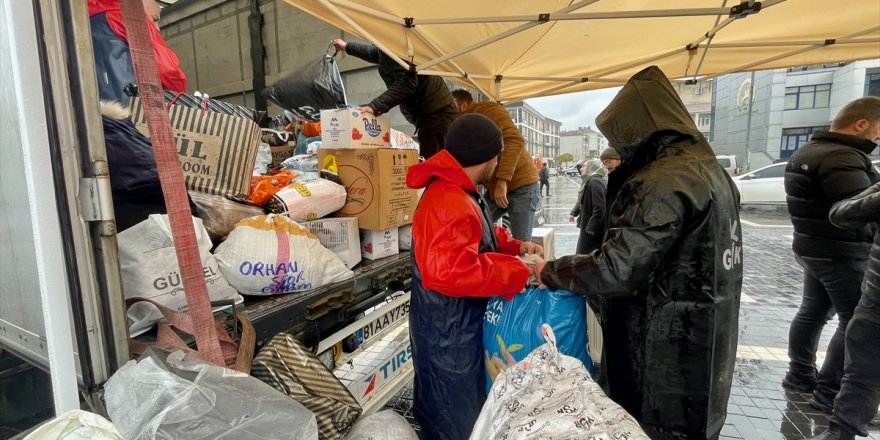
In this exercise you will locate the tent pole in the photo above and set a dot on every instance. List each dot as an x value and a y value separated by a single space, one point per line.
478 45
439 51
793 43
695 12
332 8
795 52
500 36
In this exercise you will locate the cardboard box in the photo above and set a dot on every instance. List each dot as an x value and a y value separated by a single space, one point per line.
545 238
347 128
379 244
375 181
282 152
339 234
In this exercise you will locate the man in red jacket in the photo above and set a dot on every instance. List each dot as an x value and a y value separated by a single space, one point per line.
113 59
460 259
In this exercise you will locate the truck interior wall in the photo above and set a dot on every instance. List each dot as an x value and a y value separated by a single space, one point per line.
213 42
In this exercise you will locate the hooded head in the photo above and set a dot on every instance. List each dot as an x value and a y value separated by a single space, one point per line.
647 105
594 167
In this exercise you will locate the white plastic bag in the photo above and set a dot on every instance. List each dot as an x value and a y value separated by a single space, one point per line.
264 159
76 425
311 200
271 254
219 214
148 263
383 425
550 395
148 401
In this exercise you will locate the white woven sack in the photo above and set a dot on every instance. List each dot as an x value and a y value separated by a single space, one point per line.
551 395
148 262
309 200
383 425
271 254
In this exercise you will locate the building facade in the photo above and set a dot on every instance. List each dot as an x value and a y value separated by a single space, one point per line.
540 132
764 116
583 143
698 100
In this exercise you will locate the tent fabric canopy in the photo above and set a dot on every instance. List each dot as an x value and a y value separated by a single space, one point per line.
516 49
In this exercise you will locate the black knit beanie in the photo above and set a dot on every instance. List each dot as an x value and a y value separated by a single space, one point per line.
473 139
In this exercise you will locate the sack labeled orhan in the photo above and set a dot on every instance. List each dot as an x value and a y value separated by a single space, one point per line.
271 254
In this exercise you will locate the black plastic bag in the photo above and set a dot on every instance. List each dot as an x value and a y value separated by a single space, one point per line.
317 86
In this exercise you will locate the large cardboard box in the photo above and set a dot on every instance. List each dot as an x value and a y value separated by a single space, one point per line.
375 181
379 244
348 128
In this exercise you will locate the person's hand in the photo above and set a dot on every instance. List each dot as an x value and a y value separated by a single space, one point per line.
339 44
571 219
539 267
531 248
365 109
500 194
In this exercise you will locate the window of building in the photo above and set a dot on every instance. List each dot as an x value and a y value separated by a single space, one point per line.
804 97
704 119
793 138
872 84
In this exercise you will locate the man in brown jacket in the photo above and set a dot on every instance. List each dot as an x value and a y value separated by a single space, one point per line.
514 188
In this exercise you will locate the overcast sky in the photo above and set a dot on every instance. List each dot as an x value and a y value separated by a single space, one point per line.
575 109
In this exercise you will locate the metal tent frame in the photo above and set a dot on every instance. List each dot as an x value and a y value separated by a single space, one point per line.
699 47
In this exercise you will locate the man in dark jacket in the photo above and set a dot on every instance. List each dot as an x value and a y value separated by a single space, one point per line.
424 100
589 210
459 260
544 175
831 167
859 395
670 269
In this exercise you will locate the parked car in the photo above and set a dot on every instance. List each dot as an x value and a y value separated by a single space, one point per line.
762 186
728 163
554 172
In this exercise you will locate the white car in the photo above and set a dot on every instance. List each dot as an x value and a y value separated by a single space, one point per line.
762 186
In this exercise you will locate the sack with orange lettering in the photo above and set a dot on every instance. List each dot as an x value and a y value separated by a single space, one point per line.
309 200
271 254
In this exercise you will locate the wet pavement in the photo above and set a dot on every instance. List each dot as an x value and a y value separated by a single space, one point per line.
759 408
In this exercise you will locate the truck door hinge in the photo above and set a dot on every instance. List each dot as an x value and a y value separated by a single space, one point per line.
95 199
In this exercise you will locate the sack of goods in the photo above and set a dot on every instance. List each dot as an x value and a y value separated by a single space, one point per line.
271 254
290 367
177 396
304 201
512 329
148 262
219 214
383 425
554 395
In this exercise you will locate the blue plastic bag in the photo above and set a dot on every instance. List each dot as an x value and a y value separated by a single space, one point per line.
512 329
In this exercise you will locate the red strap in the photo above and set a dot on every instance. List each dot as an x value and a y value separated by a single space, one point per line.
173 100
171 178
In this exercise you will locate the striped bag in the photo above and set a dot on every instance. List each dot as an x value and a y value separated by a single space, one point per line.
215 105
217 151
288 366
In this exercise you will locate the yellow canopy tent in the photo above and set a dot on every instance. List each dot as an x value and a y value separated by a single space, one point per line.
515 49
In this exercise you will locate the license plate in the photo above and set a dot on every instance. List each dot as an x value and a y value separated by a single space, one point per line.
382 322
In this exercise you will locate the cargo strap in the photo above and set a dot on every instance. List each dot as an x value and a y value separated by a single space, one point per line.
238 358
171 178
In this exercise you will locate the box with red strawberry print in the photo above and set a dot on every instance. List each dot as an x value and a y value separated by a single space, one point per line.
349 128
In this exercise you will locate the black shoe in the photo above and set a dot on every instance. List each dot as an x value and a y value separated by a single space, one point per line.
821 403
834 433
798 384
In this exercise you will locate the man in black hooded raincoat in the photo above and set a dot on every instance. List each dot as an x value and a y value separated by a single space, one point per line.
669 274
